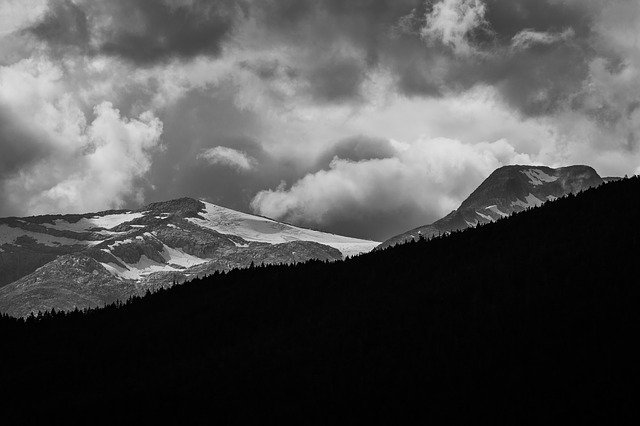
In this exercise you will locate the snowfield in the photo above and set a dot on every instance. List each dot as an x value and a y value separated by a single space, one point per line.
261 229
84 225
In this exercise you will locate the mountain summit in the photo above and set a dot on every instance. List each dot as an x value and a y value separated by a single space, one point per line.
507 190
88 260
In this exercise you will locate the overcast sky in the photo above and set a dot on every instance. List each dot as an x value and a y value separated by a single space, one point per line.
361 117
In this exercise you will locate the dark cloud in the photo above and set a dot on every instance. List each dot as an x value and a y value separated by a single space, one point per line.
361 19
337 79
507 18
65 24
141 31
18 146
168 29
321 30
416 73
540 80
268 69
535 80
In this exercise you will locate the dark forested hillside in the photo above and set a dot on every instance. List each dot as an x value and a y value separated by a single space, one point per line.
534 316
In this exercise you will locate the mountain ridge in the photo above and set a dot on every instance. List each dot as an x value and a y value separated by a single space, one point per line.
115 254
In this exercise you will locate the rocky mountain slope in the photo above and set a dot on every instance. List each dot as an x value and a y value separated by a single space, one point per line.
507 190
88 260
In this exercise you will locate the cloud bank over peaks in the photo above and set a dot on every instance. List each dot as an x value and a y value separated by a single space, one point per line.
422 182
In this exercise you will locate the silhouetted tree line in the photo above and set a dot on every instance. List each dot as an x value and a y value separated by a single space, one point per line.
533 317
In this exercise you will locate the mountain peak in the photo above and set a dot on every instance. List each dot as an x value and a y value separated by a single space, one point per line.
507 190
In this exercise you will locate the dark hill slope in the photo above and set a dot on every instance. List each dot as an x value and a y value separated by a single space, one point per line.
533 317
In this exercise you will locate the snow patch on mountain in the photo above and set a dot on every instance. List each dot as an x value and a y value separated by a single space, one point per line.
538 177
177 257
484 216
530 201
106 222
496 210
144 266
175 260
120 243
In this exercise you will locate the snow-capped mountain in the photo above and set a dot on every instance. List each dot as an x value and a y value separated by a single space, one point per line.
507 190
87 260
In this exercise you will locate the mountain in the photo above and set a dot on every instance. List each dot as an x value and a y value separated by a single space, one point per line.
88 260
507 190
533 319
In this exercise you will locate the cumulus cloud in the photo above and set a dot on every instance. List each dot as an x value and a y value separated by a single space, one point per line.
380 197
65 163
229 157
452 21
100 173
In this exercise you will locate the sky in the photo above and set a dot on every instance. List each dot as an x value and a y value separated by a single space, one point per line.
359 117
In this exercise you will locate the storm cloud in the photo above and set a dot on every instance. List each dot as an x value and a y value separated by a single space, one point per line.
310 111
536 53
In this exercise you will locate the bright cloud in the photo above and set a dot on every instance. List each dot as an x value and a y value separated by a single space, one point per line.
68 164
16 14
451 21
529 37
230 157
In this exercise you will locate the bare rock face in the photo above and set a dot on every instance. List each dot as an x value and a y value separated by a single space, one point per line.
65 283
89 260
507 190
